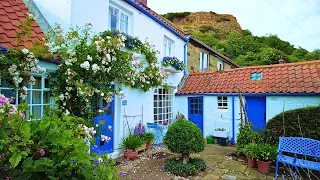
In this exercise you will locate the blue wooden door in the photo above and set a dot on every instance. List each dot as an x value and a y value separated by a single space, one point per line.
196 111
256 109
105 125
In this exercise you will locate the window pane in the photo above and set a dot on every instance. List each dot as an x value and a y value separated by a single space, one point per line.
225 98
8 93
225 104
200 106
37 84
4 83
46 97
200 112
36 97
36 112
46 83
219 104
219 98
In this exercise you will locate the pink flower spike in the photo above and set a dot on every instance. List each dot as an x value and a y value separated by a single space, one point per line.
42 152
22 116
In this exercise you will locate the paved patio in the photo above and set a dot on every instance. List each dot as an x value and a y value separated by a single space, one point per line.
220 166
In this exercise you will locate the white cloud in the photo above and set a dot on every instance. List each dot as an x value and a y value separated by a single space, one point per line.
260 17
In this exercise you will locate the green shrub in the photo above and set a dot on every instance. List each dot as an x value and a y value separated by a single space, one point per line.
52 148
302 122
184 137
250 150
246 136
131 142
177 167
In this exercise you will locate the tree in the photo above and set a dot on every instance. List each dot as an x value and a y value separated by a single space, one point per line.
184 137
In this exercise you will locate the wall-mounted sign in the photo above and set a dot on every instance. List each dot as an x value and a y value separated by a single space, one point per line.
124 102
102 122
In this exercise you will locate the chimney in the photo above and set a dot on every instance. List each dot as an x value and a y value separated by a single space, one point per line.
187 32
282 60
143 2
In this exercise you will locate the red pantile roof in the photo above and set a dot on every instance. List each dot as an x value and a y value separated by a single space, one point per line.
12 13
302 77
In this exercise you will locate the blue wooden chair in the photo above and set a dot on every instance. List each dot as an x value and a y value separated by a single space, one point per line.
298 146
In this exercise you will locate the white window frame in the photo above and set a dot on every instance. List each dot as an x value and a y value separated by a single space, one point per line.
163 104
220 65
168 47
29 98
222 102
204 61
119 19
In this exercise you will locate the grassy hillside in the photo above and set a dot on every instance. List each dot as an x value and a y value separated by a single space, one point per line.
223 33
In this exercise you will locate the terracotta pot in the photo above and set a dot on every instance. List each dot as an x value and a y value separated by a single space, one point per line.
264 167
148 145
251 162
130 155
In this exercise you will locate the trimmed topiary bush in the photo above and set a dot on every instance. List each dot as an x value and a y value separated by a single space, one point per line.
184 137
177 167
302 122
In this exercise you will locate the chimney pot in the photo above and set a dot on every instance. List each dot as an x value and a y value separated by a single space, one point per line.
281 60
143 2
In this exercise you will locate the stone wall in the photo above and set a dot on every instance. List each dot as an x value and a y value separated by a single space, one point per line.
193 59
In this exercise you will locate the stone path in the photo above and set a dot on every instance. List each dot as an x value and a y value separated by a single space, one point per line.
219 166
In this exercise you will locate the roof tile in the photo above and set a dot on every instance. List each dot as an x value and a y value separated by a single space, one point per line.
302 77
12 13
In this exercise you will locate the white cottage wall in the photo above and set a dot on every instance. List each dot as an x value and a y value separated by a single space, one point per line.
275 103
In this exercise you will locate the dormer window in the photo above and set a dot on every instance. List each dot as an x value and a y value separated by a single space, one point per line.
256 76
118 20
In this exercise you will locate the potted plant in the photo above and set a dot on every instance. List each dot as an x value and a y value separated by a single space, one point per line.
265 154
149 138
129 145
250 150
209 139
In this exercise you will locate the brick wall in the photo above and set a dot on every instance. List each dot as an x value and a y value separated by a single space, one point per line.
193 59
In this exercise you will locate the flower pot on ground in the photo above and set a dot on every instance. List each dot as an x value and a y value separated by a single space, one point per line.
265 153
252 162
148 138
129 146
209 140
250 150
264 167
130 155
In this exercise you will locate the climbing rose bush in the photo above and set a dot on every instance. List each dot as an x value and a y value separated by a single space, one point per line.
52 148
92 63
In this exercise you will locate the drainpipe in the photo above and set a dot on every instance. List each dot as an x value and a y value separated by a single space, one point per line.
233 137
185 56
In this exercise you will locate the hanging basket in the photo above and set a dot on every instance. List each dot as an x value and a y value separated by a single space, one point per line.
171 69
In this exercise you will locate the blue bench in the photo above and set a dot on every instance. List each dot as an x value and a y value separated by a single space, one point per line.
298 146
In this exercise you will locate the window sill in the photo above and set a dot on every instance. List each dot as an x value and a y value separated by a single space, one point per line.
171 69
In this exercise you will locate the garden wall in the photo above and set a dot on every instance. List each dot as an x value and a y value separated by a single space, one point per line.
275 103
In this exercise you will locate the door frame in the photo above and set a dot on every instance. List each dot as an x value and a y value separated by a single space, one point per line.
197 97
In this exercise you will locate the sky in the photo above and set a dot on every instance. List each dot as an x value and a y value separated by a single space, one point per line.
295 21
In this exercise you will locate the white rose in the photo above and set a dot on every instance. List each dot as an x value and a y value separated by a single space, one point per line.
25 51
89 58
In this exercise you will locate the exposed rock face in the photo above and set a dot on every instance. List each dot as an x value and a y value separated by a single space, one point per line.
208 22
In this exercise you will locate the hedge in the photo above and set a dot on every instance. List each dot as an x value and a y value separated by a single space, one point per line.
308 119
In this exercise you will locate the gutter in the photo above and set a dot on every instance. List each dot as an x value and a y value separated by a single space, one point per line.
132 3
185 57
50 60
3 49
249 94
233 136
